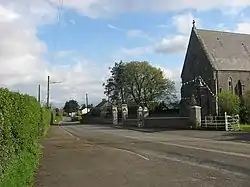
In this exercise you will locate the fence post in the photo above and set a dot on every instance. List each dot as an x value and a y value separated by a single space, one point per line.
226 122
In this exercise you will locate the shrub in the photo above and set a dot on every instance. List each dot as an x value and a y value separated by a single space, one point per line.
22 122
244 114
228 102
245 108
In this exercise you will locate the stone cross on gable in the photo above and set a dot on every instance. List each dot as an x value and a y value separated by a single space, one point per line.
193 23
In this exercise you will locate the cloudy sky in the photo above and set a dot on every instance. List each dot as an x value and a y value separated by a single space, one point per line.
75 41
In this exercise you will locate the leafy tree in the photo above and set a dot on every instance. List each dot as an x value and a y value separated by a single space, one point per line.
172 101
114 86
245 108
161 106
228 102
83 106
146 84
71 106
247 100
139 83
57 112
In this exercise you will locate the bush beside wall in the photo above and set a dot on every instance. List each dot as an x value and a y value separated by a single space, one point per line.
22 124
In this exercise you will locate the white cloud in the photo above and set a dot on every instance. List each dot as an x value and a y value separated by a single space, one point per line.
114 27
223 27
167 45
172 45
137 51
173 74
139 34
243 27
107 8
21 56
163 26
7 15
21 51
136 33
64 53
183 22
131 32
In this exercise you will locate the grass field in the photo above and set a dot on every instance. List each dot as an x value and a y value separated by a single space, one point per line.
245 127
57 119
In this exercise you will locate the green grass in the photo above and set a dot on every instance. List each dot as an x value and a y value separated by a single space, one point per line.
57 119
245 127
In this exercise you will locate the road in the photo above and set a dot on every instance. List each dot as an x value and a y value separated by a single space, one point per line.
166 158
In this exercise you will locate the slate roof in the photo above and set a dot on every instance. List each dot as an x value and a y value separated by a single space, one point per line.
102 104
227 51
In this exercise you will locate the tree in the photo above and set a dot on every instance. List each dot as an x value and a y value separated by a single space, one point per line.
114 86
57 112
247 100
71 106
90 106
146 84
229 103
139 83
83 106
245 108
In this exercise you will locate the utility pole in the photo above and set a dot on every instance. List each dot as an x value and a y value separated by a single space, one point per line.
87 101
39 93
48 92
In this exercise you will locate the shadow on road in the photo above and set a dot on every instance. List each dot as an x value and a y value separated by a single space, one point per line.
238 136
125 127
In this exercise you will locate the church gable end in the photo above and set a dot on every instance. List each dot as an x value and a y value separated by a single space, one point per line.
196 61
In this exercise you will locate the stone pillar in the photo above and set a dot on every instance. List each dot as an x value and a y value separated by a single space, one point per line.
140 117
115 115
145 112
195 116
124 112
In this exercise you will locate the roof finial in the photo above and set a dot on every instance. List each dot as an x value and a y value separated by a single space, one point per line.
193 23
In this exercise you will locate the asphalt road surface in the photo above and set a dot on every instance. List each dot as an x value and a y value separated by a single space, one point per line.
166 158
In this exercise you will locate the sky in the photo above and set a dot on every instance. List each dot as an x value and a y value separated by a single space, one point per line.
75 41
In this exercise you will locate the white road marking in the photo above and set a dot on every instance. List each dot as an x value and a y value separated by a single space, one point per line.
212 141
188 147
187 162
127 151
207 150
131 152
69 133
196 148
203 166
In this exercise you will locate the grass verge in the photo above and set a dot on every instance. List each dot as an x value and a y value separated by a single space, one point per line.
245 127
57 120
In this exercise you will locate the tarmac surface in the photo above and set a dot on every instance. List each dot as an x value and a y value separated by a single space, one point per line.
105 156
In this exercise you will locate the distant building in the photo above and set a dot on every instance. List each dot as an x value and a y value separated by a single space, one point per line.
102 105
222 60
85 110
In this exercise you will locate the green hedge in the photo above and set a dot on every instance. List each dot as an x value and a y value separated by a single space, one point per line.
22 123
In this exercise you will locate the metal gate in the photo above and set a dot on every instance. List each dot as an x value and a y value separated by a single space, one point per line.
226 122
